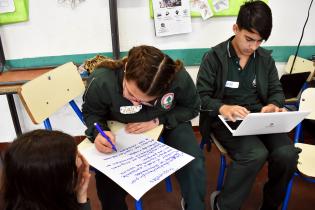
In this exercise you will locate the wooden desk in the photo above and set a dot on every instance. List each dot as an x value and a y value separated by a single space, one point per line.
10 82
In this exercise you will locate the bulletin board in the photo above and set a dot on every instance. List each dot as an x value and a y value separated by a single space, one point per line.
234 6
19 15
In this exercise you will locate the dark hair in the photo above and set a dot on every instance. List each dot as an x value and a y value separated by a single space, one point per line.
255 15
40 172
151 69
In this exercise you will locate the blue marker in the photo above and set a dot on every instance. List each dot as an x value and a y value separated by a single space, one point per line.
104 135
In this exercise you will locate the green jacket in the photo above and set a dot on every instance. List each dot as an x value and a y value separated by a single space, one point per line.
212 77
103 100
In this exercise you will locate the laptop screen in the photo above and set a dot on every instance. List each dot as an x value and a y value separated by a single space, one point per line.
234 125
293 83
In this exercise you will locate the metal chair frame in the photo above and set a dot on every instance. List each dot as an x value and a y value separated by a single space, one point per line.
297 137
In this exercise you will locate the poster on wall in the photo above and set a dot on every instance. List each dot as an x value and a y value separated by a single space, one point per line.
6 6
13 11
171 17
218 7
202 7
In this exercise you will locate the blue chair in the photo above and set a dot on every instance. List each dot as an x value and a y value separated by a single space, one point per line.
223 157
300 65
49 92
306 167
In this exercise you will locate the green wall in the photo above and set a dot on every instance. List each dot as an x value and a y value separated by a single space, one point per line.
191 57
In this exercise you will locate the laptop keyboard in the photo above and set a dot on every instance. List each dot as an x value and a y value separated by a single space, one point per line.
234 125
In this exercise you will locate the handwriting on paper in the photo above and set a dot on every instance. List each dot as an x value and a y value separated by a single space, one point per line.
150 157
139 164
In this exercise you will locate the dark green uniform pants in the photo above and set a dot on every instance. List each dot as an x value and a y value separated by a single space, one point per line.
191 177
249 153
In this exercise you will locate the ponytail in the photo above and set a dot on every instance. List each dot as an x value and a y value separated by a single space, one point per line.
178 65
112 64
102 61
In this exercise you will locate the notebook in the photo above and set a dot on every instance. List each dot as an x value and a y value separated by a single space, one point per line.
293 83
265 123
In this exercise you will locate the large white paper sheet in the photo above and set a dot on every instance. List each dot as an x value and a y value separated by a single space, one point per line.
139 164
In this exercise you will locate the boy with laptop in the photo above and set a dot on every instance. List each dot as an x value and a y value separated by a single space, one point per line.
238 77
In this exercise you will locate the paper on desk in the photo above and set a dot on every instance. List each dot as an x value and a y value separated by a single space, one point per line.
139 164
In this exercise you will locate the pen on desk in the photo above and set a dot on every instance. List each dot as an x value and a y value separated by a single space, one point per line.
104 135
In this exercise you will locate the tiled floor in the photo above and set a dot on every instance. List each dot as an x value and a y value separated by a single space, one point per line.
302 197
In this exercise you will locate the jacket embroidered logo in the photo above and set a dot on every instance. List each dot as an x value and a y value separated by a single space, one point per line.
167 100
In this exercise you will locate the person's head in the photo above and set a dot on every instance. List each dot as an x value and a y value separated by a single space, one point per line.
40 171
253 26
148 74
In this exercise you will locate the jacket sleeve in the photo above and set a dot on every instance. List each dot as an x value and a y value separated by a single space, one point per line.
95 108
85 206
206 84
275 92
187 103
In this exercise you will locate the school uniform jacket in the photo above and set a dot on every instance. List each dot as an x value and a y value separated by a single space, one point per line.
103 100
85 206
212 77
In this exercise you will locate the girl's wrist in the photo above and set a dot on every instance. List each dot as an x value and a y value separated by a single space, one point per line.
82 198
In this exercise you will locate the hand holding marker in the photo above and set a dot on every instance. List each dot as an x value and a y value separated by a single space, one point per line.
104 135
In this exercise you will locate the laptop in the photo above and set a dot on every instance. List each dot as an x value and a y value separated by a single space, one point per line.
265 123
292 83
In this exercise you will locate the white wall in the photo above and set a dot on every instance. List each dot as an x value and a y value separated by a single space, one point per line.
56 29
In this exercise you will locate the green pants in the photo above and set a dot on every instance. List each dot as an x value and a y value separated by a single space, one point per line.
191 177
249 154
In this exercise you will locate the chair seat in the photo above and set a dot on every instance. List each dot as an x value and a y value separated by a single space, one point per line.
291 100
219 146
306 165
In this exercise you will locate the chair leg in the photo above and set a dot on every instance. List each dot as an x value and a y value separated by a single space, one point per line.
221 172
138 204
301 135
298 131
47 124
287 194
77 110
202 143
168 184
